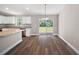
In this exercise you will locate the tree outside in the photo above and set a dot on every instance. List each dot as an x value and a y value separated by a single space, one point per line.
46 26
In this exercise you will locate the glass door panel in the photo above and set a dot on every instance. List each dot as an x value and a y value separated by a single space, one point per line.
46 26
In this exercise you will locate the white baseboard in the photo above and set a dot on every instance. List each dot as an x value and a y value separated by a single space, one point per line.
34 34
43 33
69 44
5 51
55 34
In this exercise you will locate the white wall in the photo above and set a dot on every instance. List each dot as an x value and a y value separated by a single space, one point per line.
54 18
35 23
69 24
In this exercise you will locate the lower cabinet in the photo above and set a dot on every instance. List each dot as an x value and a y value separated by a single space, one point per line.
26 32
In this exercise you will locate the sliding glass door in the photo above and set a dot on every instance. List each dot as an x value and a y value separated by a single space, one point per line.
46 26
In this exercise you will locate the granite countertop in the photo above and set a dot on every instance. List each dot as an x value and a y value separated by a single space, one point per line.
8 31
23 26
15 26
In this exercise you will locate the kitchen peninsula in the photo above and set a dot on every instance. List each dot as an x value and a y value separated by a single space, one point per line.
9 38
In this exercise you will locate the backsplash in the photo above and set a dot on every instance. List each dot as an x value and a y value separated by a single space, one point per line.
15 26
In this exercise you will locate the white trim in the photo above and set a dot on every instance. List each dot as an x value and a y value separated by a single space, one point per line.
44 33
69 44
55 34
5 51
34 34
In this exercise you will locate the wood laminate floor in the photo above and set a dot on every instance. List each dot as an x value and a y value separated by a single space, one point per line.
42 45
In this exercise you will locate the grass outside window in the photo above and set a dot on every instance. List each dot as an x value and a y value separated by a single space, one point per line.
46 29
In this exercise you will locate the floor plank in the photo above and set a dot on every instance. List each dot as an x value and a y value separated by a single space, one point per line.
41 45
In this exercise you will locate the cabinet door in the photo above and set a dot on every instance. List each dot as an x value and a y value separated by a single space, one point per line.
12 20
28 30
26 20
1 19
9 20
6 20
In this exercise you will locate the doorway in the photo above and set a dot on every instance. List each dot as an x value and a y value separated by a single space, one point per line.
45 25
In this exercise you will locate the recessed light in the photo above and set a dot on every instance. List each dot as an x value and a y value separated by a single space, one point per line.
6 8
27 8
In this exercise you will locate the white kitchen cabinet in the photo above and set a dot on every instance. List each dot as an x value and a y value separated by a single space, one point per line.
28 32
7 20
12 20
9 38
26 20
1 19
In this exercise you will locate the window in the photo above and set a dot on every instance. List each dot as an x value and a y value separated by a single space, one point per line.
46 25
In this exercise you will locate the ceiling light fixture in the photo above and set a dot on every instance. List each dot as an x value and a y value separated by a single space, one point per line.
27 8
6 8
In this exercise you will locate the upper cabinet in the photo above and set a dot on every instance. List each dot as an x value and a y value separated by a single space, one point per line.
7 20
18 20
1 19
21 20
26 20
11 20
